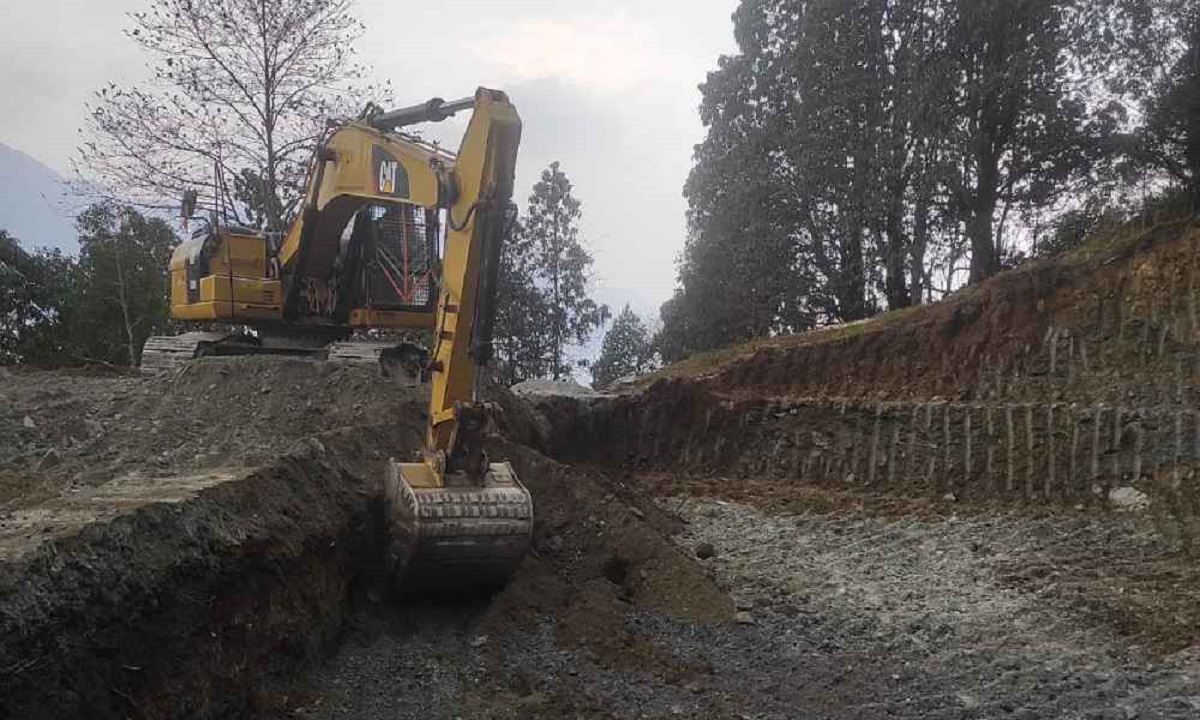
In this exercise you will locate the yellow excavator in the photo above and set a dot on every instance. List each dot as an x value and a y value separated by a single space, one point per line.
394 233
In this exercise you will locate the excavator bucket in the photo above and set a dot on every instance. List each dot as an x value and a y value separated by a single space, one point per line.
455 539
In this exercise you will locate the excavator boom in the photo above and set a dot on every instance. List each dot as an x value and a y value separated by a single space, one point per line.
459 521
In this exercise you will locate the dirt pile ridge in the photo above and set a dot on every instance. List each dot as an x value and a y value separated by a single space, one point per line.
1070 381
565 638
67 431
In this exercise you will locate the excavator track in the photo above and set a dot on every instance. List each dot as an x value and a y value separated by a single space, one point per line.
455 540
403 360
171 353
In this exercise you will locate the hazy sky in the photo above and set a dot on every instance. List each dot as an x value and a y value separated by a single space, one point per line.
609 89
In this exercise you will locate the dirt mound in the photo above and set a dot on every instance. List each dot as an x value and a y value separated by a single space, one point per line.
62 431
185 609
600 547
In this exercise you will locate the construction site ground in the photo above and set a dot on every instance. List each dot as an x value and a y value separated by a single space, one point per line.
181 546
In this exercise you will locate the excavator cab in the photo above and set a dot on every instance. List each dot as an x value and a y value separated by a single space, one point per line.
390 258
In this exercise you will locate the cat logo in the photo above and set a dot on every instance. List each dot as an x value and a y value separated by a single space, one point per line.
387 177
390 177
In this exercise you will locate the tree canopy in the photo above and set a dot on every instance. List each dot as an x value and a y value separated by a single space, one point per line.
100 308
863 155
241 87
627 349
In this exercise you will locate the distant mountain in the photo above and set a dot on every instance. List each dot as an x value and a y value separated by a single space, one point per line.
34 205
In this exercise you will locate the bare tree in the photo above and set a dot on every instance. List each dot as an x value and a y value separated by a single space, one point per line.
241 92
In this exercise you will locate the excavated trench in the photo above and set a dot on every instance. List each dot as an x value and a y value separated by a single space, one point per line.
912 519
257 595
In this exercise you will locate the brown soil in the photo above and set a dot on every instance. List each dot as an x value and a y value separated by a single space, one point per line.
186 608
1128 300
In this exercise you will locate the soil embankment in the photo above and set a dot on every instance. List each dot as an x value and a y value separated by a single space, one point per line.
1064 382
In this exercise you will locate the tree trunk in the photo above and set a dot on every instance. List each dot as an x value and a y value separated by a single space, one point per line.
1192 105
896 286
130 345
920 242
852 290
985 257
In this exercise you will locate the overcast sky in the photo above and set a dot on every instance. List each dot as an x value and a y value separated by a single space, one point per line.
609 89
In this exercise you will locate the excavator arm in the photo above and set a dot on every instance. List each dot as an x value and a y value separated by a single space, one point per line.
459 521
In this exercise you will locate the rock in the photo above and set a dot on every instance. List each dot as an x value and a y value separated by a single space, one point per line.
29 423
552 387
744 617
307 448
705 550
1128 499
479 641
50 459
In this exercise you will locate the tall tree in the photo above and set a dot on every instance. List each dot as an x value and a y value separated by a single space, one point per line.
1019 131
744 269
626 350
121 291
520 337
1169 35
240 86
857 150
33 289
562 267
544 306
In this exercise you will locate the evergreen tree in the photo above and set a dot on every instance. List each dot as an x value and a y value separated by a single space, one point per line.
857 150
626 350
520 337
543 303
1170 44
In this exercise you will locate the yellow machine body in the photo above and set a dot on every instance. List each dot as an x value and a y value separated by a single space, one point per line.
458 521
